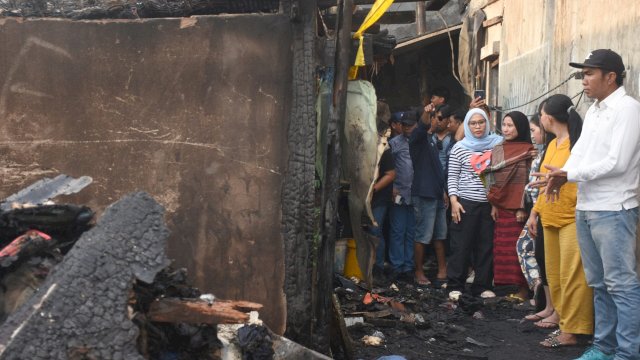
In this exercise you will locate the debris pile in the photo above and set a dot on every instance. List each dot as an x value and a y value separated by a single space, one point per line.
75 290
100 9
416 322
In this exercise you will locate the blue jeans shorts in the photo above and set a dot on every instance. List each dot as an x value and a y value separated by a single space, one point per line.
431 222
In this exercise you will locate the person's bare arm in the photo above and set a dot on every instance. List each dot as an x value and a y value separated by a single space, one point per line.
385 180
426 114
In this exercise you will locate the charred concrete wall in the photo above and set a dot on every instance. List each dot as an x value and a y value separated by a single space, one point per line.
192 110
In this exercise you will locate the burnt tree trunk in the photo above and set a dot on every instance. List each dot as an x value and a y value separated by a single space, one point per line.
298 195
81 310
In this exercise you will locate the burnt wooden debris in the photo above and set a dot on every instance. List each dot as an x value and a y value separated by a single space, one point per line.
176 320
430 5
299 221
200 311
65 222
111 296
127 244
329 195
104 9
34 237
425 323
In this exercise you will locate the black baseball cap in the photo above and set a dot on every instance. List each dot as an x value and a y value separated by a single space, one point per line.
602 59
407 117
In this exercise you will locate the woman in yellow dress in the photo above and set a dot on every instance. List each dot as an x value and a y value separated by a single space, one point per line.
572 298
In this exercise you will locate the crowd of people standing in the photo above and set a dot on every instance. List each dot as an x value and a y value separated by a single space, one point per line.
555 217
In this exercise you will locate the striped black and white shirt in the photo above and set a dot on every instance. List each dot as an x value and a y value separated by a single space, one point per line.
463 182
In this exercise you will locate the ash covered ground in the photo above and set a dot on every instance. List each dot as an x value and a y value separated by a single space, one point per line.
422 323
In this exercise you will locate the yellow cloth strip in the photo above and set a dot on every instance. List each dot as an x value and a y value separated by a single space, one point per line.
377 10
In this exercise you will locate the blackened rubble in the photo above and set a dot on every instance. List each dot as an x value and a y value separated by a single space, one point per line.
95 302
81 307
184 341
101 9
423 323
35 235
71 290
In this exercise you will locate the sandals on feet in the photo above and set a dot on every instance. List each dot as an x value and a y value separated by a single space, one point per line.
534 317
546 324
554 334
542 324
554 342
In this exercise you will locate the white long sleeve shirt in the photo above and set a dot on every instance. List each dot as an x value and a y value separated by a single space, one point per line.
605 161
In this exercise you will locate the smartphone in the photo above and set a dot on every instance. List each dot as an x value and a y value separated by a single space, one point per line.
479 94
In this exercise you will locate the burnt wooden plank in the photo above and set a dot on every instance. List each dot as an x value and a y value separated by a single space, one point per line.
323 4
299 221
201 312
389 17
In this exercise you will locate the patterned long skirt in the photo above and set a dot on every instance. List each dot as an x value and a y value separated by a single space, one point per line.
506 265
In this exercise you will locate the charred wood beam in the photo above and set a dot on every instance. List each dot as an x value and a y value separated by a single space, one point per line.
341 328
63 222
298 193
331 185
201 312
323 4
104 9
80 311
394 17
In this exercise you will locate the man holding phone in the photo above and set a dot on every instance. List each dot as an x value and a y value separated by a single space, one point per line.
439 96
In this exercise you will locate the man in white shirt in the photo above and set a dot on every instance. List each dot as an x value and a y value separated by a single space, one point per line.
605 164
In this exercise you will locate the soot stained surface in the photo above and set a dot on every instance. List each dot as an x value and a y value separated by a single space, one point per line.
127 243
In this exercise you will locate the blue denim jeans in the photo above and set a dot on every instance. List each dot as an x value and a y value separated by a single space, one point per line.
608 247
379 212
402 222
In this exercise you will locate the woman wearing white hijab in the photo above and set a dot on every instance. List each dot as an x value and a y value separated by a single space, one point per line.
472 226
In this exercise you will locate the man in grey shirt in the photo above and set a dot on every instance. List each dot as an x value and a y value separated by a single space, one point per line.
401 216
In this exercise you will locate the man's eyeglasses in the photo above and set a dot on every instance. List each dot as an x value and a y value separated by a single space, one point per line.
439 144
441 118
476 123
